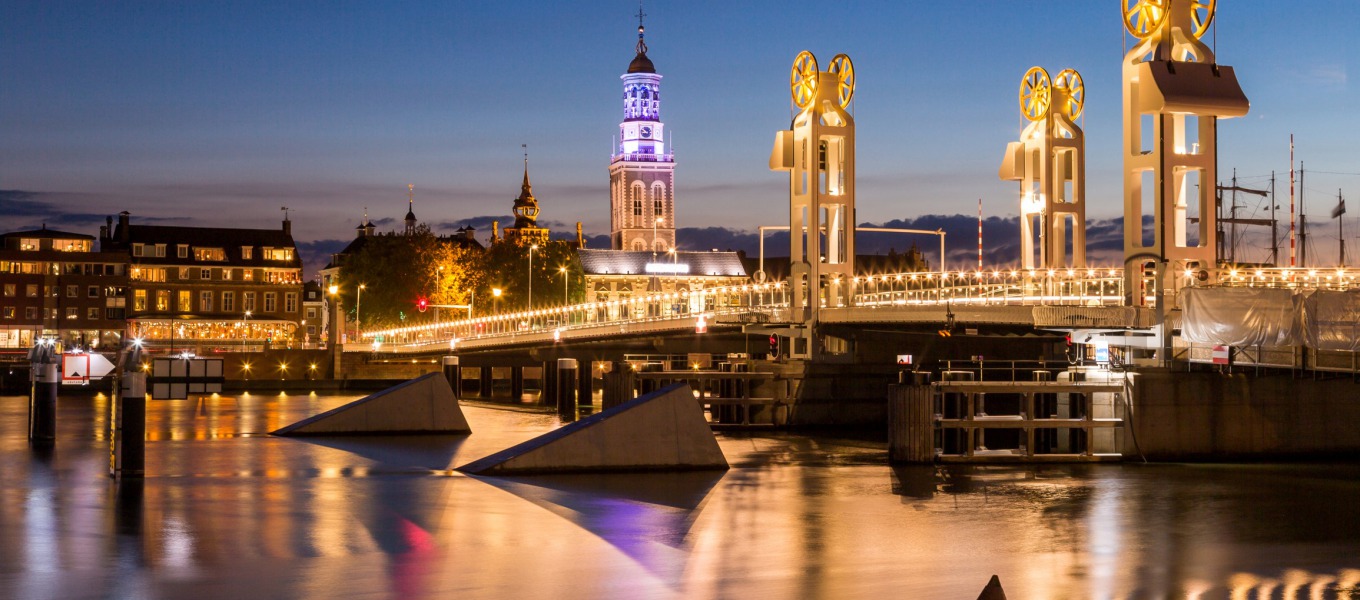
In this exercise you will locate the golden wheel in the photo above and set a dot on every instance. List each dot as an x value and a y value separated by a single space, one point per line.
1202 13
1142 17
1074 92
1035 94
844 71
803 79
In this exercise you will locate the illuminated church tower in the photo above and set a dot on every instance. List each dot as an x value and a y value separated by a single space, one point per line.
642 170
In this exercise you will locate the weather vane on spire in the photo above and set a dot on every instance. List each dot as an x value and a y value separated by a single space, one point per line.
526 154
641 45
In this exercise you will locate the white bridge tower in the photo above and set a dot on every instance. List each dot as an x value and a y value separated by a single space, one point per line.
1049 161
1174 94
818 151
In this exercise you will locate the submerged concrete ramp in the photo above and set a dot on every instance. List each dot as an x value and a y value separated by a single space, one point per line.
661 431
424 405
993 590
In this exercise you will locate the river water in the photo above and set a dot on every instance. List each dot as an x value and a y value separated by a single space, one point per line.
230 512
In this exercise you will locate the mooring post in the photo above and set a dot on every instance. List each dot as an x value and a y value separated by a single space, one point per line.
911 420
566 388
42 403
454 375
127 456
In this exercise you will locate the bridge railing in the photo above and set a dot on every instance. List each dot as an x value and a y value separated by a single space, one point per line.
674 306
1071 286
996 287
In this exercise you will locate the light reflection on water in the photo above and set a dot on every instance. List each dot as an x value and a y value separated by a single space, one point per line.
231 512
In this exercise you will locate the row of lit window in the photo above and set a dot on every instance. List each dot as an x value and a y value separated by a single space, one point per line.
161 274
184 301
211 254
92 313
32 244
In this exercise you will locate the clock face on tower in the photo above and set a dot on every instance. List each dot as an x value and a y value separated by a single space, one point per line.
646 131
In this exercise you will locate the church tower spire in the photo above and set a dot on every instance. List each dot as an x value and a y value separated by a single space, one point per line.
526 229
410 208
642 169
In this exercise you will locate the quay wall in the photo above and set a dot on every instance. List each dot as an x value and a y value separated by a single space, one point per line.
1203 416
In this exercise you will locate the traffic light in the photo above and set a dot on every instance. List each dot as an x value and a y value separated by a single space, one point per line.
774 345
422 303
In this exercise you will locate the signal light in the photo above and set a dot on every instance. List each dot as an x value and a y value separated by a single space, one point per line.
422 304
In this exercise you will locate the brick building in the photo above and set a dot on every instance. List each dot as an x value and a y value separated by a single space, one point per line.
56 285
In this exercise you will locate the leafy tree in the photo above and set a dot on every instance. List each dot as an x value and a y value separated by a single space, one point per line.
507 269
397 269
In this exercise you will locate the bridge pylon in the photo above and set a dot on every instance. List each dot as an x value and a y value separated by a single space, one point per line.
1174 93
818 151
1049 161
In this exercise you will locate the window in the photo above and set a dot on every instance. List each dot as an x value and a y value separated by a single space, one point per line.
8 312
148 274
139 249
248 275
31 313
311 312
246 252
92 313
281 276
278 253
71 245
226 274
162 300
205 301
92 291
72 291
160 251
205 273
115 314
183 273
270 301
290 302
185 301
637 208
311 330
11 290
138 300
28 243
228 301
248 301
72 313
31 290
182 250
210 254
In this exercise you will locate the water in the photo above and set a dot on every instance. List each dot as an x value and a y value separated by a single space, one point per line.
229 512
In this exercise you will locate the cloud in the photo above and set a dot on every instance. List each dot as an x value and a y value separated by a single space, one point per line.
26 209
316 253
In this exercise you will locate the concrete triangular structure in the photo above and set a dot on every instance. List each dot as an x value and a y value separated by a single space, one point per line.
993 590
424 405
661 431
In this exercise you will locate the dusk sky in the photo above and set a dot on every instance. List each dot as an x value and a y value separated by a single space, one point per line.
219 113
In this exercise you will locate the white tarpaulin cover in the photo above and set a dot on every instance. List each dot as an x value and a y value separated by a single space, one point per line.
1240 316
1331 320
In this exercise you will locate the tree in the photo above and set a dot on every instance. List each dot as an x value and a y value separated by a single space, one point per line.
506 267
398 269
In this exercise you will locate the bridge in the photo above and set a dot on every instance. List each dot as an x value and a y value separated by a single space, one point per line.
1052 298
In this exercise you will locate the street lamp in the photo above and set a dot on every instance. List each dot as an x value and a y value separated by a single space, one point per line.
496 300
358 304
245 333
658 221
563 271
531 275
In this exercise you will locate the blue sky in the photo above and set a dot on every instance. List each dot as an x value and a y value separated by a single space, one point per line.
218 113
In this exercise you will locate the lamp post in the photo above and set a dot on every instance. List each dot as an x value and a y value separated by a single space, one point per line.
563 271
358 304
496 300
245 331
656 222
531 276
